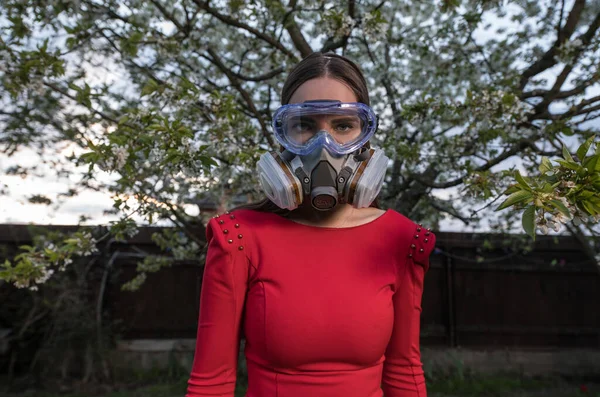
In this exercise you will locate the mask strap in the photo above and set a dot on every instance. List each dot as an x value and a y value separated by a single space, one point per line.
363 155
298 169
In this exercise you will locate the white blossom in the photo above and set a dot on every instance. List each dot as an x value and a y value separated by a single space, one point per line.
554 226
156 155
121 154
561 218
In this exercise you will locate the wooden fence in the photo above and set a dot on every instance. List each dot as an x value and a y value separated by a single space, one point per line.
473 297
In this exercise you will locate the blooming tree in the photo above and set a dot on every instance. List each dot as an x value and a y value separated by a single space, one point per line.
468 92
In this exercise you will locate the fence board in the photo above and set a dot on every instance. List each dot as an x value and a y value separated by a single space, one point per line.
514 300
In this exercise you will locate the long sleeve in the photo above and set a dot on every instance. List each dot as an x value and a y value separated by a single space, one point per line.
403 371
222 299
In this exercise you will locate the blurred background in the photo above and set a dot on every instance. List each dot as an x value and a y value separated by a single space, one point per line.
126 125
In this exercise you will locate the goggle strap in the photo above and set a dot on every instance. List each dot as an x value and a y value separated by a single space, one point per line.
296 163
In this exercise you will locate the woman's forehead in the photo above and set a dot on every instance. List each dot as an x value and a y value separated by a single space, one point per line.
323 88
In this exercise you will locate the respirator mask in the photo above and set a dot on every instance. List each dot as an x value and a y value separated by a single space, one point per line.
325 159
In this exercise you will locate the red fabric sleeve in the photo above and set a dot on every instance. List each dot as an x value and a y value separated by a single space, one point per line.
402 370
222 298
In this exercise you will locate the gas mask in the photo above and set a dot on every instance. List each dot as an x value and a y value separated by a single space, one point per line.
325 159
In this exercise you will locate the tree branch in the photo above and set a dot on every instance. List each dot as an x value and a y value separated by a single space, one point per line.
577 110
183 29
94 111
296 34
547 60
449 210
262 77
455 182
332 45
214 58
562 94
234 22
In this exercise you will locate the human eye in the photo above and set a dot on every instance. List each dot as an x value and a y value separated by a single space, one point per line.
347 126
301 125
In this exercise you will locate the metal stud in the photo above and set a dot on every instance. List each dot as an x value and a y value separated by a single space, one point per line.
231 217
225 231
416 236
418 229
230 241
426 240
412 246
239 236
410 255
421 250
227 212
221 221
427 234
241 247
237 225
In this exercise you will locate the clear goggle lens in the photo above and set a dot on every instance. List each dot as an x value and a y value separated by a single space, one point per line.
344 128
299 127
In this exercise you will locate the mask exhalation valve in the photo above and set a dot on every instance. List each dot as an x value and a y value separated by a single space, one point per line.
324 198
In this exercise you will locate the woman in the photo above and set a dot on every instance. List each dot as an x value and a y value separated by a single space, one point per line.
325 286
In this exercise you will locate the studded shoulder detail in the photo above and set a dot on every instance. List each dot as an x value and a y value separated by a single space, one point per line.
422 244
231 229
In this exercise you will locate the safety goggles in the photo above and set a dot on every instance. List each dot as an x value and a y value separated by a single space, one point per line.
342 127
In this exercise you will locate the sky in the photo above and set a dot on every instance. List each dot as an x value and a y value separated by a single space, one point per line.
14 207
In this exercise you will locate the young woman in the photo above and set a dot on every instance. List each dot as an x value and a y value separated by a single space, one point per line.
325 286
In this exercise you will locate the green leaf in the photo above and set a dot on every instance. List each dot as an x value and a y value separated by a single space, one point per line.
522 182
27 248
547 188
587 205
561 207
528 221
510 190
591 163
566 155
518 197
570 165
546 165
150 87
586 194
585 146
508 99
595 207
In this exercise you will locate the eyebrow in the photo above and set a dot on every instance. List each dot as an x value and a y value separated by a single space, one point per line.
334 119
346 119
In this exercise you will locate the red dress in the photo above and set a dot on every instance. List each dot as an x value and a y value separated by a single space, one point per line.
326 312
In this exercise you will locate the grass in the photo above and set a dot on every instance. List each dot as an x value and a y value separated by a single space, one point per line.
487 385
457 384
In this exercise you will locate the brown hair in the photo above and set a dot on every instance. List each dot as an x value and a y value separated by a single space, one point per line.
314 66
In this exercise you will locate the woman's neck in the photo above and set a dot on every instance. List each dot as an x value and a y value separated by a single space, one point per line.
342 215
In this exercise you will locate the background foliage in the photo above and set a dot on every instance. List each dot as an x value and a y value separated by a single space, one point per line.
173 99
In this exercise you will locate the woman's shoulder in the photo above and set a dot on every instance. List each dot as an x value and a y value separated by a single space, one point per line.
233 231
415 240
402 223
237 224
246 217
